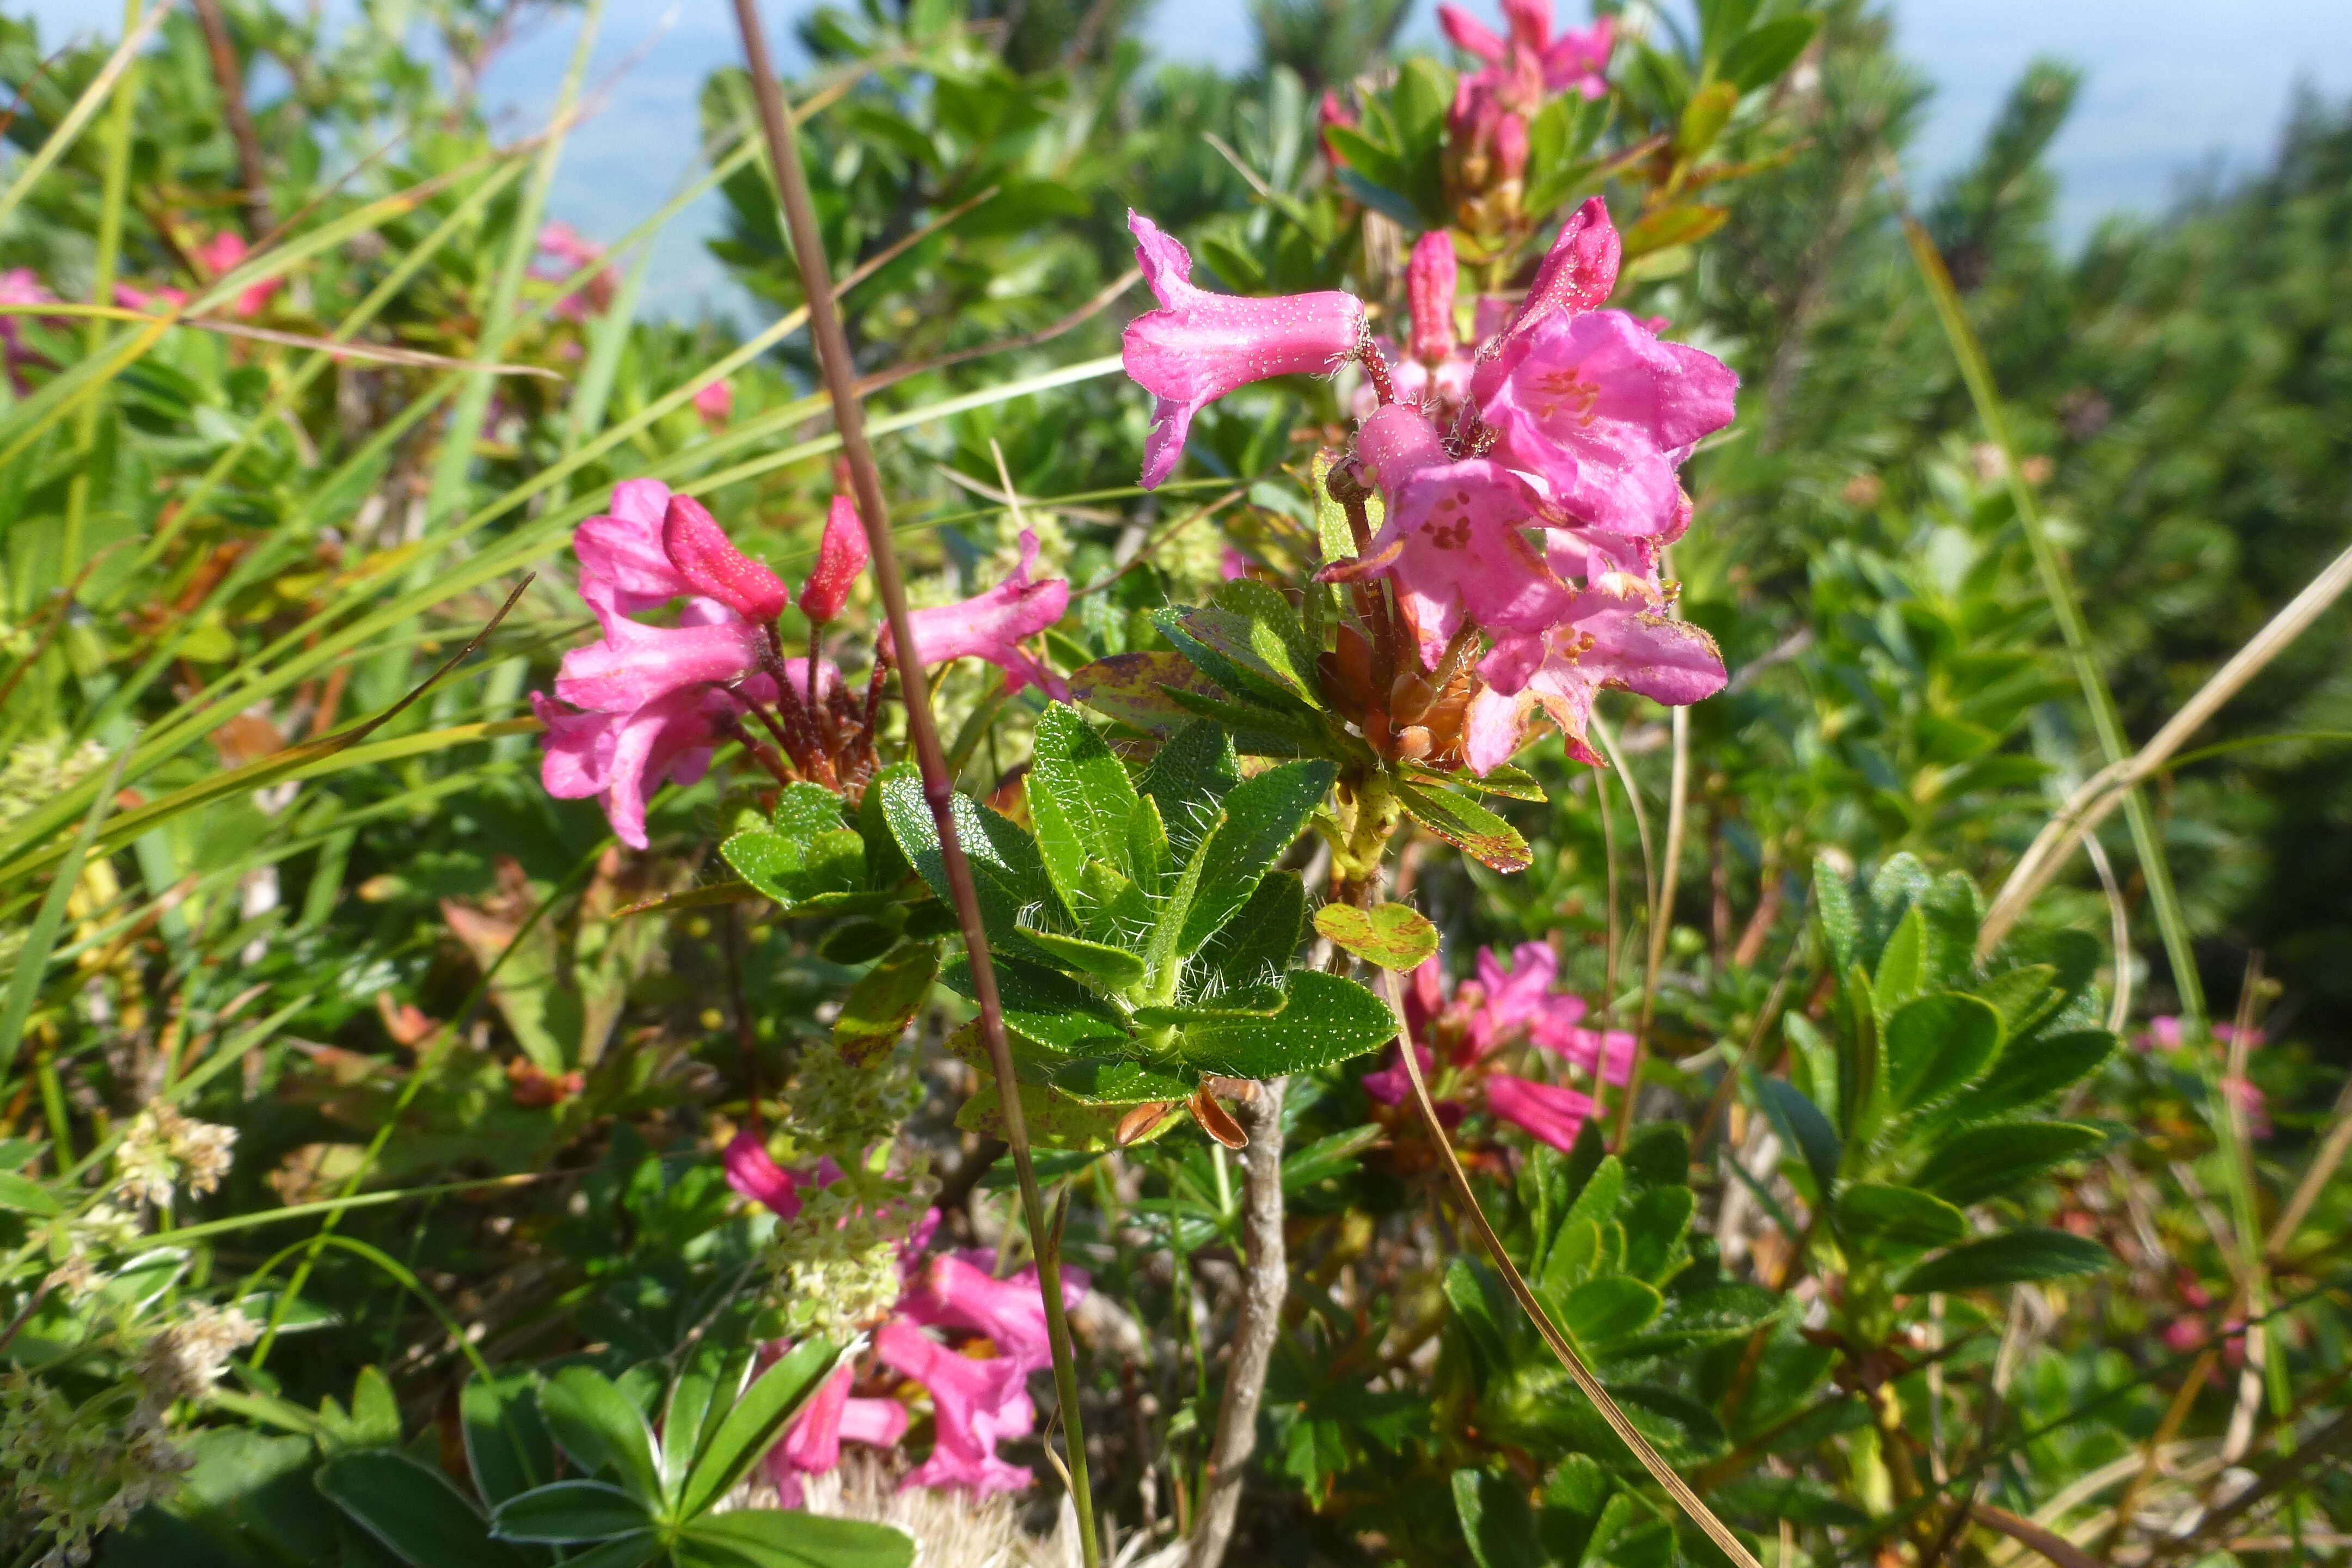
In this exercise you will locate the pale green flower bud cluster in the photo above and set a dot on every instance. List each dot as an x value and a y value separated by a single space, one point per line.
38 772
835 1105
837 1263
162 1149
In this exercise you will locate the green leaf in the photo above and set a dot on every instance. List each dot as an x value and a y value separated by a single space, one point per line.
2023 996
1053 1120
1226 644
412 1509
1799 1499
1758 59
2012 1257
1802 1126
1007 873
1114 966
507 1443
1256 729
1985 1160
1326 1020
1327 1158
1263 817
1655 1223
1115 1081
1901 971
1938 1045
1133 688
602 1429
1467 826
1256 947
752 1424
1497 1521
1833 907
1186 780
2035 1071
1508 782
1658 1155
1609 1308
25 1196
1390 936
884 1002
771 1538
564 1511
701 1394
1875 1212
806 812
1079 797
1482 1309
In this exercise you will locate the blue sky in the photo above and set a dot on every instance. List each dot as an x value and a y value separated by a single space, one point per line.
2173 87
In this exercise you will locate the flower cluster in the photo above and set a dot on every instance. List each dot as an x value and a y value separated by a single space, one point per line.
162 1149
1530 484
936 1314
650 702
1457 1039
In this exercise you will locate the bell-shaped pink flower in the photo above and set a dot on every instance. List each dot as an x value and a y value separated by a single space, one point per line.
19 286
811 1444
1579 273
1470 35
1199 346
716 402
1429 278
841 555
992 626
1516 998
223 254
1597 414
975 1406
1453 541
753 1173
711 565
620 758
1607 1054
635 664
1549 1111
1605 641
957 1291
624 547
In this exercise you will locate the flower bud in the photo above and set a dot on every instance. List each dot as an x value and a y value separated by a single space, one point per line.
1429 288
711 565
839 559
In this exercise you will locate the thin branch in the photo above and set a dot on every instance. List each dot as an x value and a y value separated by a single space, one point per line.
922 732
1266 1279
230 78
873 383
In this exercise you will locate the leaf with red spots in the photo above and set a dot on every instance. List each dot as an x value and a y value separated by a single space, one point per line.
1467 826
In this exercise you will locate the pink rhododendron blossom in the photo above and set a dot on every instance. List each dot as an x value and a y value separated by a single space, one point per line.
620 758
811 1444
751 1171
712 566
957 1291
626 548
572 252
975 1404
1606 642
1552 1112
18 286
1429 280
991 624
156 301
1392 1084
1452 542
1574 60
716 403
635 664
841 555
223 254
1598 414
1199 346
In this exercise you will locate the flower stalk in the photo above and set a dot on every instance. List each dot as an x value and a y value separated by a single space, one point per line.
939 785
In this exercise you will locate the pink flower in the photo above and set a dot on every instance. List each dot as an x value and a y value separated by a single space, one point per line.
716 402
572 252
841 555
1333 111
1392 1084
156 301
1597 414
1574 60
711 566
626 547
990 625
1429 280
1607 1055
620 758
1199 346
753 1173
1453 541
1605 641
975 1404
811 1444
18 286
636 664
1549 1111
1578 274
223 254
957 1291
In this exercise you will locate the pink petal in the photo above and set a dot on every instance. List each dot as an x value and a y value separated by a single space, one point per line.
841 555
975 1404
753 1173
624 547
579 747
711 565
990 625
1429 280
1549 1111
1469 35
716 402
955 1292
1199 346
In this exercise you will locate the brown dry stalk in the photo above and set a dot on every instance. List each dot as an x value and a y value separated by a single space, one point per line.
231 81
922 730
1266 1281
1585 1379
2028 1534
2105 789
